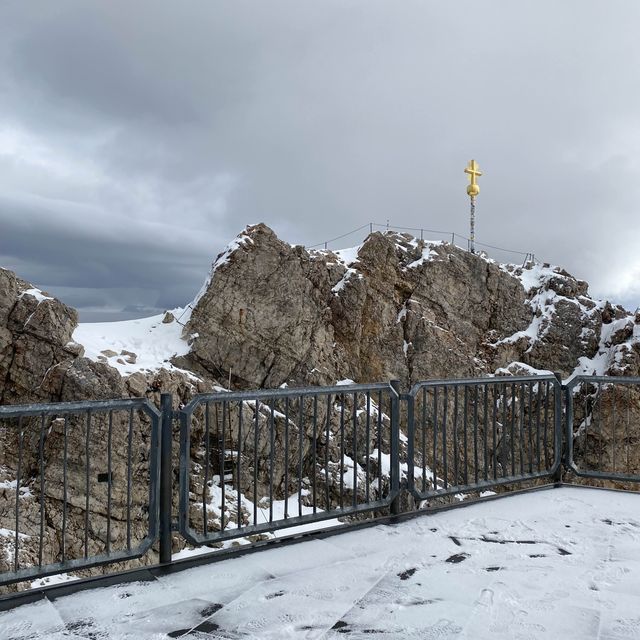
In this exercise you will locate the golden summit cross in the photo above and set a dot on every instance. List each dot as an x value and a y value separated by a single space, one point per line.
474 172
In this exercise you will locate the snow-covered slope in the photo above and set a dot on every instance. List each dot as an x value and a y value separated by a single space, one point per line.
144 345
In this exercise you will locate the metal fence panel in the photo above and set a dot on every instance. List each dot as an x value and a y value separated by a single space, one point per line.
79 485
603 427
255 462
475 434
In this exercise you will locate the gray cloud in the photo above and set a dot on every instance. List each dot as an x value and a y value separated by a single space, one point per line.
137 139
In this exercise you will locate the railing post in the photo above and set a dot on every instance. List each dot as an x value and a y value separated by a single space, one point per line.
559 430
395 448
166 476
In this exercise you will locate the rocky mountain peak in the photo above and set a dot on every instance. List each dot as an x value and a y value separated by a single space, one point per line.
394 307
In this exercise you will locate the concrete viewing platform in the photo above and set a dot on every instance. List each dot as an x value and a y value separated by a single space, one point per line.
554 563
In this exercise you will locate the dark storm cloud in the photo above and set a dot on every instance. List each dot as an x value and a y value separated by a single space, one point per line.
136 139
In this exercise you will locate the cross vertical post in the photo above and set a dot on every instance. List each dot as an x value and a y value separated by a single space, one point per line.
472 231
473 170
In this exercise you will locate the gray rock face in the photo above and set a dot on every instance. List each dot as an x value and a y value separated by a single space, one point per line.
402 308
273 313
35 330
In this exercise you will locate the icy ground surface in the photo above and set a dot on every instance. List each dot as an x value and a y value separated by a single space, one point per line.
560 563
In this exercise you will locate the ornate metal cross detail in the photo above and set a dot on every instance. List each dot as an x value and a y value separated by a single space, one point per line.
474 172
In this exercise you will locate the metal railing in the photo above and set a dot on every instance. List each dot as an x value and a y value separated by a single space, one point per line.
267 460
482 433
603 427
92 483
81 488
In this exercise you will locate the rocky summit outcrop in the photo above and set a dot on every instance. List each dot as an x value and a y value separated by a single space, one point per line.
395 307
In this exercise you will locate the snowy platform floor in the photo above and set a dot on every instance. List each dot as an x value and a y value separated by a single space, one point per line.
556 563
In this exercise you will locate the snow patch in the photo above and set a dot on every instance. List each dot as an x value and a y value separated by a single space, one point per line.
35 293
153 342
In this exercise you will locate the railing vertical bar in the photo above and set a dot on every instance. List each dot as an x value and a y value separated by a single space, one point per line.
545 439
504 450
513 429
327 497
41 464
239 465
411 443
521 429
129 480
599 425
286 458
315 454
530 426
256 427
475 433
109 483
18 475
64 493
435 437
613 426
494 431
300 441
455 435
485 419
165 486
586 416
272 457
395 471
222 452
627 426
465 441
379 442
355 450
366 440
86 486
445 466
342 399
207 462
538 407
423 428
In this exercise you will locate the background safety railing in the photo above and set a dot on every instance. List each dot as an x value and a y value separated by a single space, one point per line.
79 485
603 427
256 462
477 434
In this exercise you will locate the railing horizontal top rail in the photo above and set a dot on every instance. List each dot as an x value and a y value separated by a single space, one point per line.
579 379
287 392
55 408
452 382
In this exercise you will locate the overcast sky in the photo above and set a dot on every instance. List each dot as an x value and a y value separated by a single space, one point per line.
138 138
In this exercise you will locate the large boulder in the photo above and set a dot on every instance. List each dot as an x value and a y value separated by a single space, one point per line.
35 340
